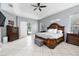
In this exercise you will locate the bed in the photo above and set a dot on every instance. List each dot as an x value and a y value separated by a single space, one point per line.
50 39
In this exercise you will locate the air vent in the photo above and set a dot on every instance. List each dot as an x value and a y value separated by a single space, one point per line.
10 5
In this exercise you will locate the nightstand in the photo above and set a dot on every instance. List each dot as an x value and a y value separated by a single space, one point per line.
72 38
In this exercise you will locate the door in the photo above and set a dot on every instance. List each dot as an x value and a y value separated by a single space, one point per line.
23 29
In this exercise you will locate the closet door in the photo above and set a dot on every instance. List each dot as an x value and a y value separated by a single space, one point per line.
23 29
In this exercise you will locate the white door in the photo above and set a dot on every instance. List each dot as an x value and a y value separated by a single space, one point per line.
23 29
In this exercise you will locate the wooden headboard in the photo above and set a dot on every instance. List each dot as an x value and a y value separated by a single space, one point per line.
56 26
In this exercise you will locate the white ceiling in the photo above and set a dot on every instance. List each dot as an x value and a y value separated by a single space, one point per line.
26 10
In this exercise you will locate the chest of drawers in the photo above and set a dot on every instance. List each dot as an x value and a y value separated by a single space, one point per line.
72 39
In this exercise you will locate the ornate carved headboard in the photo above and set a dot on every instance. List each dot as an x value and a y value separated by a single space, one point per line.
56 26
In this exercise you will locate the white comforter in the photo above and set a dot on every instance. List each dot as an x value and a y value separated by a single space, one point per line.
50 35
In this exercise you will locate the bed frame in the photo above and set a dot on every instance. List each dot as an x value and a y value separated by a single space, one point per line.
52 43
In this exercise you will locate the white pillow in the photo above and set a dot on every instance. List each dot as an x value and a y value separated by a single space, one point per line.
49 30
59 31
52 30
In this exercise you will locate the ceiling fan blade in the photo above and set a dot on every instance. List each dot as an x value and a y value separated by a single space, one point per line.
38 4
39 9
35 9
34 6
42 6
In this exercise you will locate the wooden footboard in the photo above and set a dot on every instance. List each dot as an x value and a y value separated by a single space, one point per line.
51 43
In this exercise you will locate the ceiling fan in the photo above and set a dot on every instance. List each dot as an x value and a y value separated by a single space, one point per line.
38 6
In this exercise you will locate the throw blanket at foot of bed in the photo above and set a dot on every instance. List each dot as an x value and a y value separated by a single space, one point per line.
39 42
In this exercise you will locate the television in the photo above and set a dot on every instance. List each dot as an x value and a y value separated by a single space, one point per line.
2 19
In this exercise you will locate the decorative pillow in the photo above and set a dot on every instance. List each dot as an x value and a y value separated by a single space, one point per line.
52 30
59 31
49 30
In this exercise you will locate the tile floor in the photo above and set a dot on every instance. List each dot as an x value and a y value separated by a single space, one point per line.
26 47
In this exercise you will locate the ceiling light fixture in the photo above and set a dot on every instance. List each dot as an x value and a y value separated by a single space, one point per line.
38 6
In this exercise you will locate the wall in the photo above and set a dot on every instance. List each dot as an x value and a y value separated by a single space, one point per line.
64 17
0 28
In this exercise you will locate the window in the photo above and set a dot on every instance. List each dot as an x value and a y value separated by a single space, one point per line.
29 31
75 24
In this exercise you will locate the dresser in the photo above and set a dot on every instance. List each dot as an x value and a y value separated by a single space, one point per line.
72 38
12 33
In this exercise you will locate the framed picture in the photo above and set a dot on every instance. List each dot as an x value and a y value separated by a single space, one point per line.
10 22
